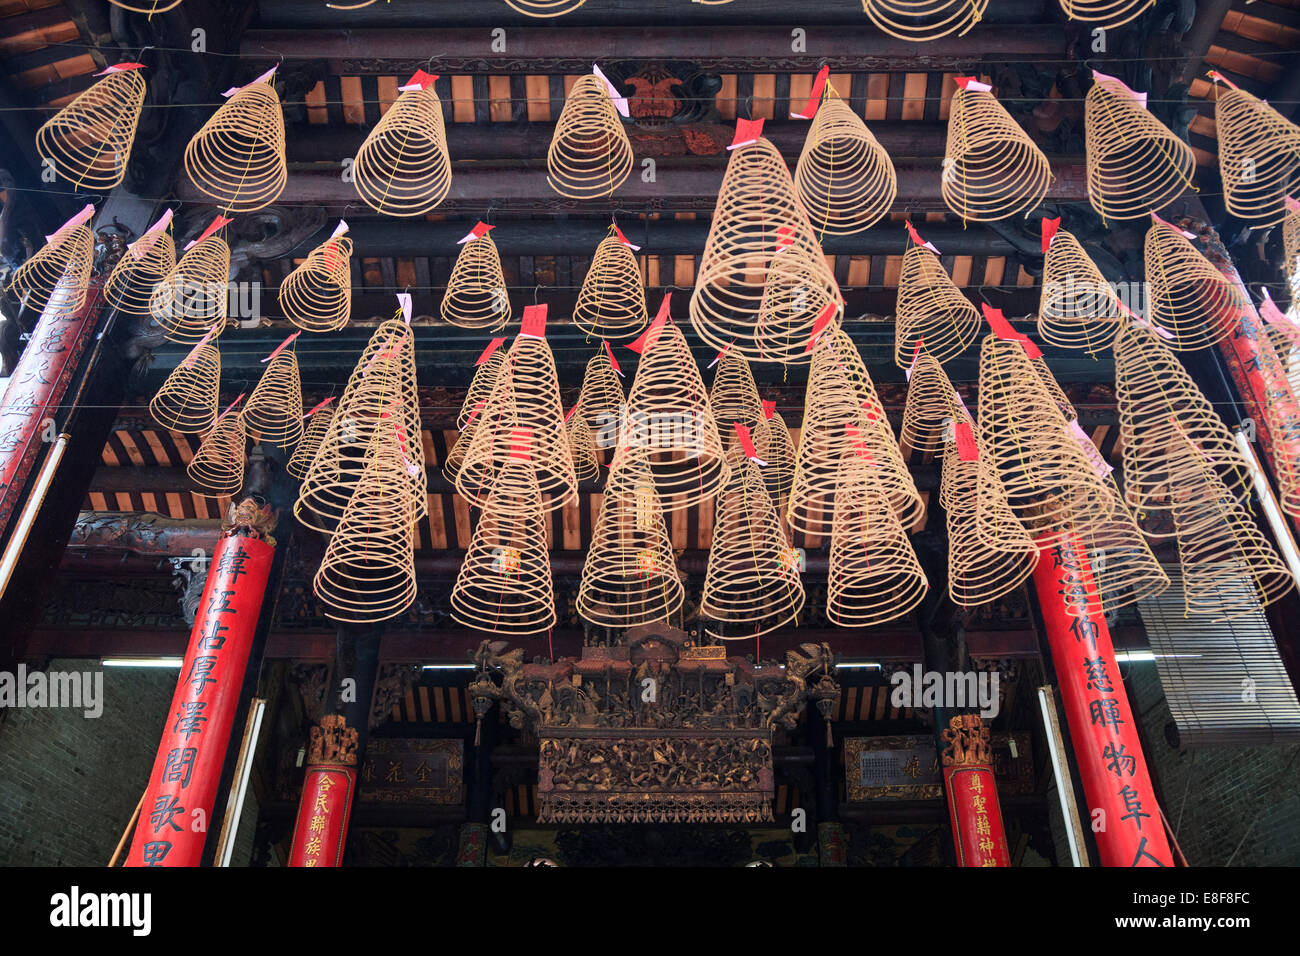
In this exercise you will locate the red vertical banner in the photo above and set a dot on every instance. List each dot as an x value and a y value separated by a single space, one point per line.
978 834
1122 804
177 809
321 830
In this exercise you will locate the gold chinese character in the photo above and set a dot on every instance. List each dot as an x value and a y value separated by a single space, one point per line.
322 805
310 863
913 767
982 825
977 803
313 846
424 771
317 823
395 773
976 784
326 783
987 845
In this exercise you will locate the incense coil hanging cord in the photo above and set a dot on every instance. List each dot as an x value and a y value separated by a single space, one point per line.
601 399
922 20
1186 294
217 468
191 299
147 262
931 399
544 9
582 446
476 296
630 576
1135 162
874 575
1107 13
611 303
274 410
403 168
932 312
1259 157
845 178
317 296
187 400
1078 308
55 280
300 461
238 158
89 140
779 453
752 584
156 6
992 169
763 281
590 154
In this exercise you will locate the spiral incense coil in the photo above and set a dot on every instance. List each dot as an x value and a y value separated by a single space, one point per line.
274 410
931 403
833 422
317 296
874 575
476 296
368 572
187 400
1286 469
762 281
1106 13
752 584
217 468
734 397
524 404
590 153
921 20
611 303
480 387
932 312
1078 308
670 418
1135 163
544 9
601 399
1172 438
1186 294
55 280
403 167
845 178
1259 157
992 169
1053 387
582 446
237 158
317 425
1291 252
192 298
451 465
779 452
630 576
146 263
89 140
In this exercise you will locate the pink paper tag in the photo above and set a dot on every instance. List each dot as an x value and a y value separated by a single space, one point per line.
1165 222
1218 77
478 232
232 405
815 98
81 217
120 68
747 132
1291 204
1099 464
972 84
404 303
151 235
341 228
474 414
283 345
261 79
620 102
189 359
216 224
1100 77
419 81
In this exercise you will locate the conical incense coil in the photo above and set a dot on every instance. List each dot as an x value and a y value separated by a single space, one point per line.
1259 157
874 574
1078 308
476 296
601 400
670 418
192 298
930 408
611 303
403 168
237 158
833 422
778 451
932 312
480 387
1135 163
368 572
544 9
55 280
217 468
992 169
524 406
582 446
317 296
187 400
317 425
752 585
844 177
921 20
1107 13
147 262
1172 438
763 281
1053 387
456 454
274 410
629 577
590 154
734 397
1291 251
1186 295
89 140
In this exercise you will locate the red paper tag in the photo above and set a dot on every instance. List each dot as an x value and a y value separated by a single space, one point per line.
819 326
613 362
491 347
216 224
317 408
747 443
534 321
972 84
478 232
231 405
623 239
521 443
1050 227
916 238
1165 222
1003 330
967 450
650 335
1218 77
784 237
570 413
474 414
769 409
815 99
120 68
419 80
283 345
747 131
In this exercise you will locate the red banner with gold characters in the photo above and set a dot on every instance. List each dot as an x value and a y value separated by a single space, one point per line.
1121 802
322 828
177 809
973 807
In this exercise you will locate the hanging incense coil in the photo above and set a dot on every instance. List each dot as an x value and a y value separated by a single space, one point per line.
187 400
778 451
734 397
192 298
368 572
317 296
1135 162
217 468
274 410
147 262
630 576
1259 157
992 169
1078 308
89 140
590 153
317 425
1286 469
1107 13
921 20
669 416
476 296
874 575
931 400
582 446
403 167
763 280
932 312
1291 252
54 282
611 303
544 9
833 421
752 584
238 158
601 400
1186 295
844 177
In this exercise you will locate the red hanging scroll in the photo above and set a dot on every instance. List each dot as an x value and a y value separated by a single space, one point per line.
978 835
